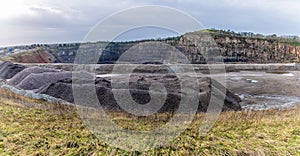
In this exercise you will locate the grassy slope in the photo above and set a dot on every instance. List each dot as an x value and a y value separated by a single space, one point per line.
37 55
217 33
43 130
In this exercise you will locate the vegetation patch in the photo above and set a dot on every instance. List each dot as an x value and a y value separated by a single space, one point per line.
27 128
37 55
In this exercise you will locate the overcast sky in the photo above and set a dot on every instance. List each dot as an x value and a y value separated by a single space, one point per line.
52 21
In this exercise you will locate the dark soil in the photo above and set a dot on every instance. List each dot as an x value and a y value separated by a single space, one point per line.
8 69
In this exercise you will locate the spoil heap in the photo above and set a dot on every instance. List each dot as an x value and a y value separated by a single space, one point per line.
59 84
31 70
139 91
8 70
35 81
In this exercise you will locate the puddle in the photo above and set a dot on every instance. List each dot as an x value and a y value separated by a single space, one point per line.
276 72
236 78
107 75
288 74
252 81
267 102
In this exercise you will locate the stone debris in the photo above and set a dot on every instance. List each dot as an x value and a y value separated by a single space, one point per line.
23 74
139 91
31 94
51 84
8 70
37 80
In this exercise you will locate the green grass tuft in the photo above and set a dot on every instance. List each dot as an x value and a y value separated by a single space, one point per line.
34 130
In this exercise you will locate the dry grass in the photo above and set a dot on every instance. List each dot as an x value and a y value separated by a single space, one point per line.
33 127
37 55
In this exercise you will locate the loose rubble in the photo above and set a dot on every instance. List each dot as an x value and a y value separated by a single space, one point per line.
50 84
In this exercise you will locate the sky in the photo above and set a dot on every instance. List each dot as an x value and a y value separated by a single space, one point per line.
55 21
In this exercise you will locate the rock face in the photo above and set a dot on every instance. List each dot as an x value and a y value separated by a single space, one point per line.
8 70
255 50
139 91
236 49
233 47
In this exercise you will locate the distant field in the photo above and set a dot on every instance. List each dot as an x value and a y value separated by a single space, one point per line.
31 127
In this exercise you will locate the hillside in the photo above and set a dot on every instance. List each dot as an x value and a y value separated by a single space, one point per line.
255 48
34 127
39 124
234 47
36 55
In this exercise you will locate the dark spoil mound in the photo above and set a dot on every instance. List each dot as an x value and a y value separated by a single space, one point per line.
23 74
35 81
139 91
8 70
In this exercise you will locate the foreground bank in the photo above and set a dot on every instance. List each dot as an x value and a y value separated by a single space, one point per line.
34 127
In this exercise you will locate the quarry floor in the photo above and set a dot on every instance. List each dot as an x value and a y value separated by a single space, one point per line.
38 130
260 86
35 127
260 90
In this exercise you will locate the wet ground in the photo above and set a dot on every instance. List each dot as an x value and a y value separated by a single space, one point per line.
260 90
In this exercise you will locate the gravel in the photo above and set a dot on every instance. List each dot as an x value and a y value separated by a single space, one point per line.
139 92
31 94
23 74
35 81
8 70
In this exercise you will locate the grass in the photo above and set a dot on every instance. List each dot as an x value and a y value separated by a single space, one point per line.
27 56
33 127
292 43
16 57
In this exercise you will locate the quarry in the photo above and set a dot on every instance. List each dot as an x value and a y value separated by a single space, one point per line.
246 87
250 82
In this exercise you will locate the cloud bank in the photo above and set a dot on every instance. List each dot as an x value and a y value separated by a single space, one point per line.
52 21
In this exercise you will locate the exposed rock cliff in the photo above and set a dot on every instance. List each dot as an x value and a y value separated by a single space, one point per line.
199 47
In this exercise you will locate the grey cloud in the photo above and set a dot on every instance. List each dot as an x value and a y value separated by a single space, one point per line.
56 21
